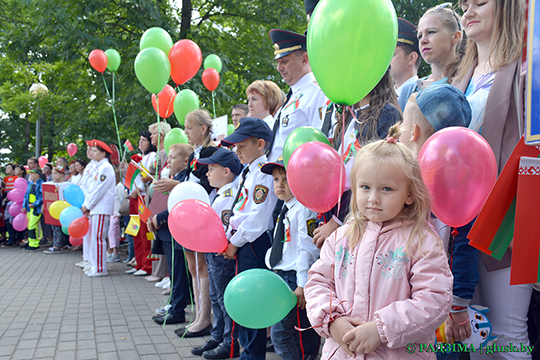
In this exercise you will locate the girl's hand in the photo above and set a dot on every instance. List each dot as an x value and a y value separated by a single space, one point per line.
341 326
300 298
165 185
363 339
453 330
31 205
230 252
134 194
323 232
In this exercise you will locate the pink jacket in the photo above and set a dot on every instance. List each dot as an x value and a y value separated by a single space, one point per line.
408 297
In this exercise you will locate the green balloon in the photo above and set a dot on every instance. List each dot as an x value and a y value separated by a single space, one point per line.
113 59
65 230
175 136
158 38
153 69
346 73
230 129
185 102
258 298
213 61
301 136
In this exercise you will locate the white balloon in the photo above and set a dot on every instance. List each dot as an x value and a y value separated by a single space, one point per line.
185 191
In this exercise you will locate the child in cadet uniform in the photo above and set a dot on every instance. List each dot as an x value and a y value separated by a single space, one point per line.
59 238
291 255
173 314
98 206
251 215
32 204
223 167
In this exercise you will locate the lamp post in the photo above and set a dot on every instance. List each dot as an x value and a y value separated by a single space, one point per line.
38 90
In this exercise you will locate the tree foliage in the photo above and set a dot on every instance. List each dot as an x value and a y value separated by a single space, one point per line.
49 42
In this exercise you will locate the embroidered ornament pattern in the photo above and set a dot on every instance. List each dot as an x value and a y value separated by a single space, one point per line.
393 263
343 259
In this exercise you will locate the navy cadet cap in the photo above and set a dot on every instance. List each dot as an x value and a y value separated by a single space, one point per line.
407 34
225 158
285 42
248 127
269 167
309 5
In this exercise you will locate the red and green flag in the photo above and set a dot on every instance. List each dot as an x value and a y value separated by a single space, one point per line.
128 146
144 212
132 172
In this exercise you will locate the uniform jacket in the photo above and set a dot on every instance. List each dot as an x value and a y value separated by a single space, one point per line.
100 197
408 297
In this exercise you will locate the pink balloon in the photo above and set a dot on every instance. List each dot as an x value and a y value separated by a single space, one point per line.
16 195
20 183
42 161
71 149
15 208
186 220
20 222
459 169
314 173
75 242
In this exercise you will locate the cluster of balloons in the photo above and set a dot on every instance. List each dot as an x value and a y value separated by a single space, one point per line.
69 212
101 60
20 220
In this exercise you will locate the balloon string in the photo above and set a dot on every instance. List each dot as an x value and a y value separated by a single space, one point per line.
158 135
214 103
113 109
342 152
198 311
171 277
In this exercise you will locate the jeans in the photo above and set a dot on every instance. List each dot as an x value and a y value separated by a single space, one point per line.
179 280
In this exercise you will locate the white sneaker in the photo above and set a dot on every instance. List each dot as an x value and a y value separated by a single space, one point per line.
163 310
140 273
81 264
88 267
113 258
167 285
163 282
96 274
131 271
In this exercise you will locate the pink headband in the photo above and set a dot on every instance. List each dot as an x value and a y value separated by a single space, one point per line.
391 139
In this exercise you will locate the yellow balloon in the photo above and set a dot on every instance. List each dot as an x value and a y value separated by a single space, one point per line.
56 208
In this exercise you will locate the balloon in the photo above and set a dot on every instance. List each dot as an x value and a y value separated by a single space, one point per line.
156 37
152 69
69 214
16 195
185 102
230 129
258 298
175 136
79 227
56 208
15 208
187 191
313 174
213 61
72 149
459 168
210 79
20 222
186 60
65 230
301 136
188 217
75 242
113 60
347 73
20 183
98 60
74 195
166 101
42 161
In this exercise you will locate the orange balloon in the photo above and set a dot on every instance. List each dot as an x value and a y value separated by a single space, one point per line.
166 101
98 60
78 227
210 79
186 59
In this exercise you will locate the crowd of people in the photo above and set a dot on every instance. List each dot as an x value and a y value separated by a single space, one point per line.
376 273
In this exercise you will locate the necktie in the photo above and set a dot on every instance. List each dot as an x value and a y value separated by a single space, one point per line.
277 245
244 176
276 123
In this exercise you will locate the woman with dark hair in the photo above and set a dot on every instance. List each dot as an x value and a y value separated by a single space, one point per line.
19 171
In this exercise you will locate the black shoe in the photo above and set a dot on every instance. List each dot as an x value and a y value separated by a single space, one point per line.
189 334
222 352
23 245
209 345
31 248
168 319
269 345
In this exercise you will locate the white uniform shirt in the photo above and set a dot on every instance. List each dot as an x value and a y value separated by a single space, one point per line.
255 205
299 252
88 177
120 193
270 121
223 202
100 199
306 107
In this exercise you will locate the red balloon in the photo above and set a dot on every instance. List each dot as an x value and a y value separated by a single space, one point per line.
42 161
166 101
72 149
459 169
186 59
75 242
98 60
78 227
316 187
189 218
210 79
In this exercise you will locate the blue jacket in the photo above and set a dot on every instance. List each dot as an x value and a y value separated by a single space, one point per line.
39 197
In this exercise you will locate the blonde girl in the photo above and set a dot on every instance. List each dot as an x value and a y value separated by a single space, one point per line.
382 281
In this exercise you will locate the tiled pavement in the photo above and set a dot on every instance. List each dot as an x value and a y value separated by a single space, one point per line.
50 310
